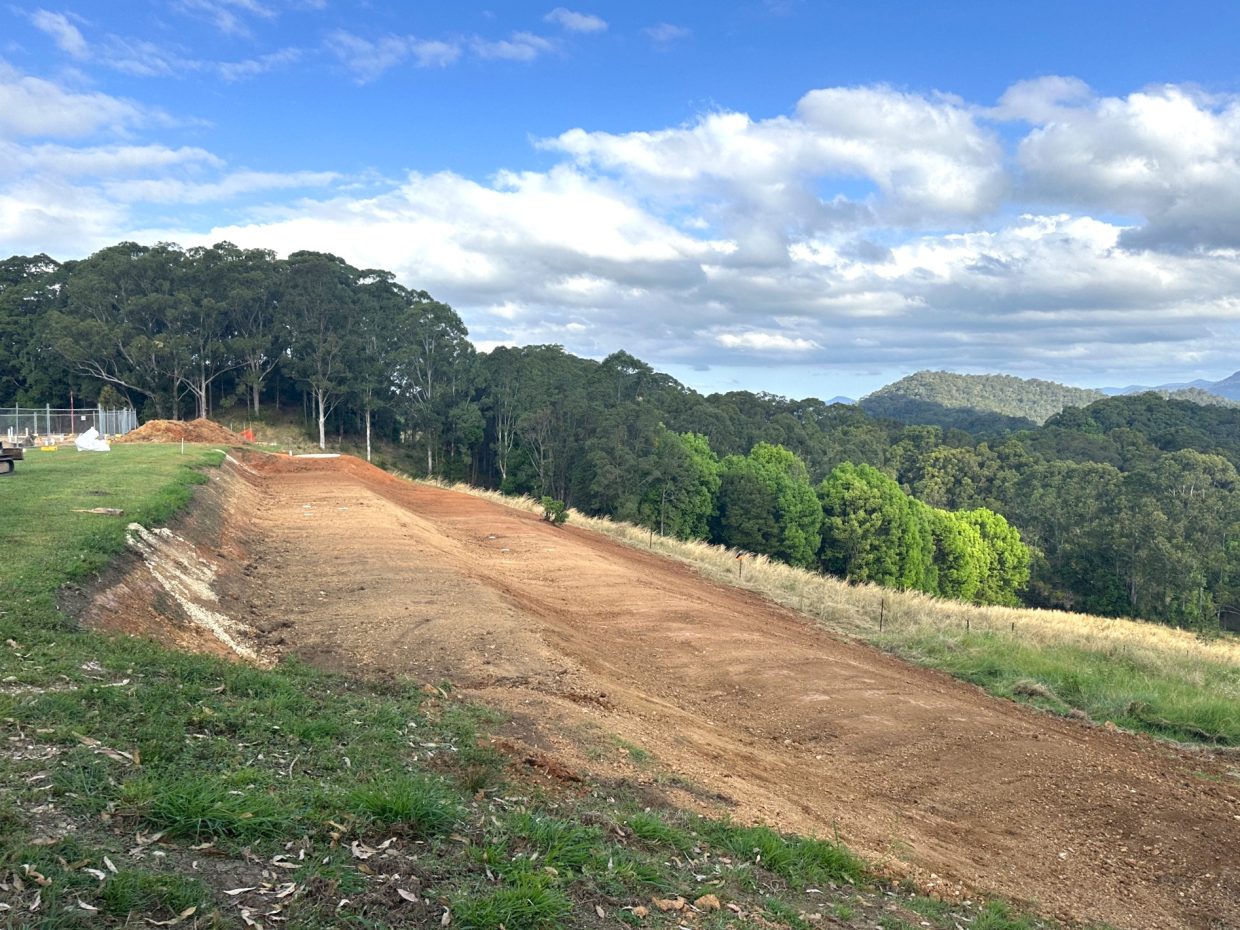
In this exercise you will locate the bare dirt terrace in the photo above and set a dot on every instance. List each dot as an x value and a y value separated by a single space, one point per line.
744 707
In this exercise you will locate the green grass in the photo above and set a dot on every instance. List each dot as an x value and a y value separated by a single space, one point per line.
422 806
798 859
1116 685
528 904
159 896
234 769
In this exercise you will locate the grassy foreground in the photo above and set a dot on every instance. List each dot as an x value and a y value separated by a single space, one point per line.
144 787
1139 676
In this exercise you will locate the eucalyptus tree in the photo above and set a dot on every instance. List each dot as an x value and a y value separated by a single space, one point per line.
321 303
113 322
28 286
432 369
216 282
260 333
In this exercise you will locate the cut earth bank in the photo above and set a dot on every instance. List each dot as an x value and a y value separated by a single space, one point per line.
599 651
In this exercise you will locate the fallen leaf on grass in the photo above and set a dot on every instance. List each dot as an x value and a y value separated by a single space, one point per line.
108 863
446 918
598 909
188 912
361 850
707 902
39 877
86 907
233 892
98 747
669 904
407 895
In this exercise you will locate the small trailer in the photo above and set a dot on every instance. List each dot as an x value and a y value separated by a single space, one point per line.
9 457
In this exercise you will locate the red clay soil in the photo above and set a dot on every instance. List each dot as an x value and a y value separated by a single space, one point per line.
750 705
200 430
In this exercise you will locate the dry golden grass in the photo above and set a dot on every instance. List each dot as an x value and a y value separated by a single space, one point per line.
1137 673
853 609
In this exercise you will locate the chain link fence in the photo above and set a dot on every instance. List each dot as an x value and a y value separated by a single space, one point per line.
41 425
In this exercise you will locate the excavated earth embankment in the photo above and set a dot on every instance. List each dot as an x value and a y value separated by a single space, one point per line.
745 707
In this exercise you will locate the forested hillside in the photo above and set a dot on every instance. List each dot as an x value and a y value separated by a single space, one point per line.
974 402
1126 507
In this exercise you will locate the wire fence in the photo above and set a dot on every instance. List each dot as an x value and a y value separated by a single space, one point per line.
40 425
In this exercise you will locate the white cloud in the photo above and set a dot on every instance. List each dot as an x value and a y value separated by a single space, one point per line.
66 162
870 227
251 67
228 16
1168 154
929 160
758 341
368 59
520 46
31 106
573 21
226 187
66 35
664 34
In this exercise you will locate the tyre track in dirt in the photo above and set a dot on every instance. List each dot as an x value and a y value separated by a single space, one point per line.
966 793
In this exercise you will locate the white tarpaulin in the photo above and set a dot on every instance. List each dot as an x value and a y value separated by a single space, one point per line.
89 441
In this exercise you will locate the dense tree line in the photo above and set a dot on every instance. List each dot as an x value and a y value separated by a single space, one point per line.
1128 506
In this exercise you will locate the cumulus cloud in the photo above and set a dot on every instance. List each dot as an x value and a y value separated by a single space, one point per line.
868 227
567 257
573 21
927 160
1170 155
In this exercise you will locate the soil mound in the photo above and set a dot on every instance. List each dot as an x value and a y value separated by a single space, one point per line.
200 430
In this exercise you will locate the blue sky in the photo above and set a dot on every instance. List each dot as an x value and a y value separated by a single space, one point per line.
805 198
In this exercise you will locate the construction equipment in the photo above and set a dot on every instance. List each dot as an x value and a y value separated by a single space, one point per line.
10 455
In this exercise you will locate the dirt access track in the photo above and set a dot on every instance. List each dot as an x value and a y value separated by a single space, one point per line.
747 707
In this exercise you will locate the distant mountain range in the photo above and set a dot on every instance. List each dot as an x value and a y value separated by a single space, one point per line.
1229 387
1004 403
